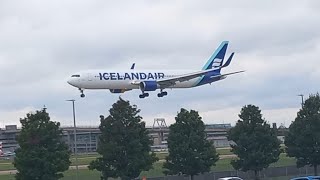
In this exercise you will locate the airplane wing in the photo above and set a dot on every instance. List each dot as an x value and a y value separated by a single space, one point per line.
172 81
133 65
166 82
227 74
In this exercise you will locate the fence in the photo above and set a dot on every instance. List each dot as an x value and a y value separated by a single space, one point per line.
266 173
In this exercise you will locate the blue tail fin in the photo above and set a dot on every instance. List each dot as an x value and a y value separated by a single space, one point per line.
216 59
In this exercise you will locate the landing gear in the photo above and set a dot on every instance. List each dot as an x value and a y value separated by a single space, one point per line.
162 93
81 91
143 95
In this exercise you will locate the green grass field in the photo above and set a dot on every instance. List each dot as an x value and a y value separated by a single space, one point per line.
84 174
85 159
94 175
221 165
224 151
82 160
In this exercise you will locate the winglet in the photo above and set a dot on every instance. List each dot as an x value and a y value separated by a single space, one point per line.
133 65
228 61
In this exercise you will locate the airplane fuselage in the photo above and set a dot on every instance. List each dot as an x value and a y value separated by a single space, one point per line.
112 79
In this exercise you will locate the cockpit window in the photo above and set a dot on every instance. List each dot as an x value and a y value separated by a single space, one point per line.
76 75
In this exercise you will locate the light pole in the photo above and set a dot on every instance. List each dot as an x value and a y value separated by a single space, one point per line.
301 99
75 135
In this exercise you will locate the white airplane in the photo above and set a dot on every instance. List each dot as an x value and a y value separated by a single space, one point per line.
151 80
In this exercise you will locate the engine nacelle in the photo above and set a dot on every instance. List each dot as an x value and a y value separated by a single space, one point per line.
148 85
119 90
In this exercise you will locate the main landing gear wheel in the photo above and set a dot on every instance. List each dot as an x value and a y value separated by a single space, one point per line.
162 93
144 95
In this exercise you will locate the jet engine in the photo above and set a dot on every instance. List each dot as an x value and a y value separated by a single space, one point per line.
148 86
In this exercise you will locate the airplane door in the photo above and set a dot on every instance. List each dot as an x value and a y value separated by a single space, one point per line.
89 76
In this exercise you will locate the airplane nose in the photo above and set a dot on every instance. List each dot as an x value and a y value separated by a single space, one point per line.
73 82
69 81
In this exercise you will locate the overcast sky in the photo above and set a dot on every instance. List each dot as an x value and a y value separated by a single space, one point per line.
44 42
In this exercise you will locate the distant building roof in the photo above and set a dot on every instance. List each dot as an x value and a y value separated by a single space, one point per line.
218 126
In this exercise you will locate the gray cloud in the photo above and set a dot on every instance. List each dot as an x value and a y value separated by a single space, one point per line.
42 43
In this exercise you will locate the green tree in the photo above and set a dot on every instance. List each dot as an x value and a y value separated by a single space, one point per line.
255 143
42 154
190 152
124 144
303 138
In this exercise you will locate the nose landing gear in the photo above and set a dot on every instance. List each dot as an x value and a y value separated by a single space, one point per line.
81 91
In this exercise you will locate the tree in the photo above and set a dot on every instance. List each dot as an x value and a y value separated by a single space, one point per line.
255 143
303 138
190 152
124 144
42 153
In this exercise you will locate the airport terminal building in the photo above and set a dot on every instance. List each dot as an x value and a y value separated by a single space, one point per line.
87 137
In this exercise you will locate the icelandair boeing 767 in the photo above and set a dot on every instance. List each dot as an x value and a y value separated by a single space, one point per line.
151 80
